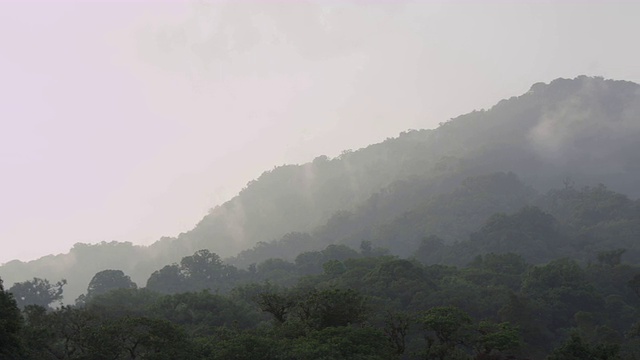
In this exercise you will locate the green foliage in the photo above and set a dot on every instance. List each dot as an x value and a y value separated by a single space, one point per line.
168 280
277 271
10 325
108 280
358 308
277 304
140 337
575 349
203 270
343 343
313 262
494 337
449 324
396 329
398 278
69 333
37 292
562 273
564 288
123 302
529 232
320 309
200 313
64 333
244 346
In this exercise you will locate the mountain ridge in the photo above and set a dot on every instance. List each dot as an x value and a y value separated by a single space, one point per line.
542 136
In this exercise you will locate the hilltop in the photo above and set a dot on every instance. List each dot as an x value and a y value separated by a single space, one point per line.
581 131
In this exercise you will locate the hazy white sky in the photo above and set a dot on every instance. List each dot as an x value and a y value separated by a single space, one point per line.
129 120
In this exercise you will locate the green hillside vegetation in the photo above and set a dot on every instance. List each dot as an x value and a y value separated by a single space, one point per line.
340 303
530 284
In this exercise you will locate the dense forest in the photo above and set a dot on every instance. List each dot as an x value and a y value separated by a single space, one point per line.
582 130
510 233
533 285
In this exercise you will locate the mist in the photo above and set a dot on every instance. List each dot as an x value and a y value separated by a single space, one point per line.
130 121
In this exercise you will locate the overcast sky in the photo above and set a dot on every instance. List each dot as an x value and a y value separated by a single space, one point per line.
129 120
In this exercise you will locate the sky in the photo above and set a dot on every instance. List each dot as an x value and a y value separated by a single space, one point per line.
128 121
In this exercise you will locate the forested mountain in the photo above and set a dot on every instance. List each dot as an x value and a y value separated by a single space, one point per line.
444 183
339 303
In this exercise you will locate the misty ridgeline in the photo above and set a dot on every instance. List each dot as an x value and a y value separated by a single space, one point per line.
506 233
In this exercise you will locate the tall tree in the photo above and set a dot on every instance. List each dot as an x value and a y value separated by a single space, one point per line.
203 270
447 327
107 280
37 292
10 324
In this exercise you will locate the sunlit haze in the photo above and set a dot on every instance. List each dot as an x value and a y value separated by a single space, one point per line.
129 121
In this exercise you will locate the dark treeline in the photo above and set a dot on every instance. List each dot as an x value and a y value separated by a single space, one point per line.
337 303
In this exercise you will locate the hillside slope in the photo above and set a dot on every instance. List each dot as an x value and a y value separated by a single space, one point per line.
584 129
